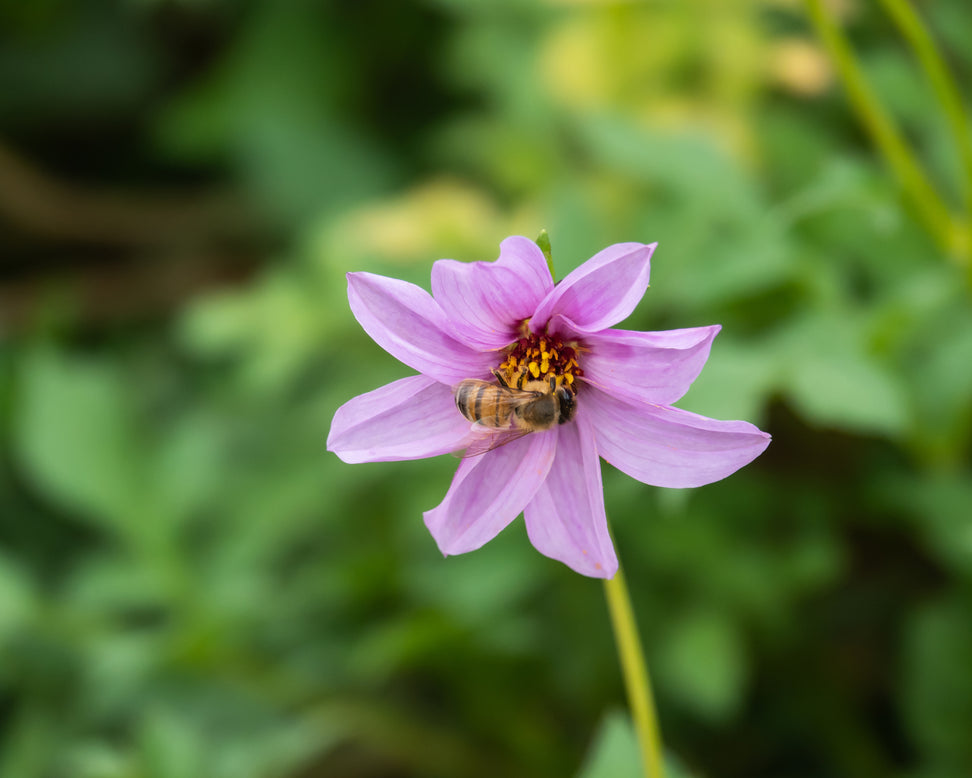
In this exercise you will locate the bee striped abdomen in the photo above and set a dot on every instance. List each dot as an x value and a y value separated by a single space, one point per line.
482 403
477 404
496 419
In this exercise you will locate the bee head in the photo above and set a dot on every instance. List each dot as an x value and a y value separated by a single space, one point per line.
567 404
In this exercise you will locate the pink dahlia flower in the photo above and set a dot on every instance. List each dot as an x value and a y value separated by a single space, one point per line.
507 322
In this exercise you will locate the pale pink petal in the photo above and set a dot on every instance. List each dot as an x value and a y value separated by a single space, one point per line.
411 418
405 321
489 491
566 520
601 292
486 301
665 446
657 367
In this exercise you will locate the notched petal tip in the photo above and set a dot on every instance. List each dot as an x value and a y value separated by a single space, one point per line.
601 292
407 322
669 447
486 301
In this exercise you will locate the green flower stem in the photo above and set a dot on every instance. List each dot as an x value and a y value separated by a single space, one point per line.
946 92
633 665
925 200
635 671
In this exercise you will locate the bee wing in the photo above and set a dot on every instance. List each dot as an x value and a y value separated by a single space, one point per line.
508 397
492 439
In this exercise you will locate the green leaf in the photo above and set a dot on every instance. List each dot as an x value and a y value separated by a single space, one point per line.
936 687
16 597
170 745
74 437
614 752
186 465
941 507
703 663
834 381
843 391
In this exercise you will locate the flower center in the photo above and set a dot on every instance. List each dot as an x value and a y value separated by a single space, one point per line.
533 360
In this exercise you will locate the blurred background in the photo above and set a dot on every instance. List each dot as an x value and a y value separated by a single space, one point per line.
191 586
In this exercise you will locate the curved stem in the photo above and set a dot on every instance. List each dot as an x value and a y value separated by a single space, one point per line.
946 92
925 200
635 671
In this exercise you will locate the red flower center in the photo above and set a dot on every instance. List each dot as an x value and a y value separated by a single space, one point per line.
534 359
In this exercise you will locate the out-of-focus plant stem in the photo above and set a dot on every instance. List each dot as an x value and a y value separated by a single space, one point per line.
946 92
635 671
951 235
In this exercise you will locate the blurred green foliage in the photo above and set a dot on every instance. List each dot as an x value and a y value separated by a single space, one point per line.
191 586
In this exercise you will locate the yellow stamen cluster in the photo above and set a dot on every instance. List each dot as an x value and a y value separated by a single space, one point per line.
535 358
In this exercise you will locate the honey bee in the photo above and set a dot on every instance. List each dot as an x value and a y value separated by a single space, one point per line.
506 413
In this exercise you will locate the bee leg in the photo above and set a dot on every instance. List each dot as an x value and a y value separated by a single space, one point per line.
499 377
553 384
521 380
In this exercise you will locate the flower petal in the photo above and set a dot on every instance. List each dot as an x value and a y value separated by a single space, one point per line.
405 321
665 446
489 491
601 292
486 301
566 519
411 418
655 367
